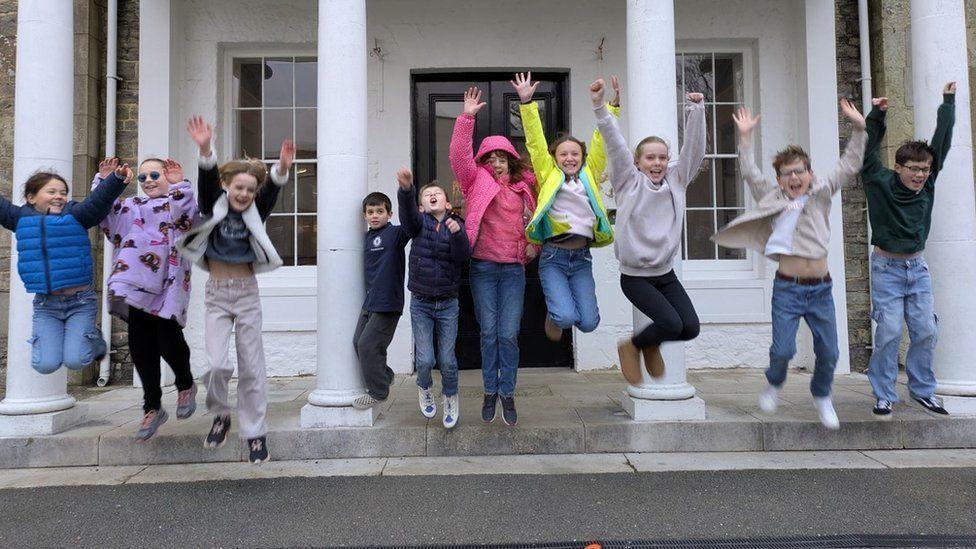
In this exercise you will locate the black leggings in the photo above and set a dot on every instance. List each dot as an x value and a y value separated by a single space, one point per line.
152 337
664 300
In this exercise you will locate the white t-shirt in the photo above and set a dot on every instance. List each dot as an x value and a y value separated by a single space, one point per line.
781 241
572 206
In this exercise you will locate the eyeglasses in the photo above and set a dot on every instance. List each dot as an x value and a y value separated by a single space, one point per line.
918 169
151 175
797 172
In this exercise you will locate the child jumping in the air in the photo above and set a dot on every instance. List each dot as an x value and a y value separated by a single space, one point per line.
900 205
570 217
439 250
650 197
790 225
55 263
383 262
232 244
150 283
498 191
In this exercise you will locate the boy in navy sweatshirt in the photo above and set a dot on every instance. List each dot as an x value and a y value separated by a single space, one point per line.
440 248
384 265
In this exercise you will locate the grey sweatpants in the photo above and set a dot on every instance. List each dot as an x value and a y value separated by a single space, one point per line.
228 303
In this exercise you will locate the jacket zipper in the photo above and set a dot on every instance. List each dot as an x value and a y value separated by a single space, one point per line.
47 270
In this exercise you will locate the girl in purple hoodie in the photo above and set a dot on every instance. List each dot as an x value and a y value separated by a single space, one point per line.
149 286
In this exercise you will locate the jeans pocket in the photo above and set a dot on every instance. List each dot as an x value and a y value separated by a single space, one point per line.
95 348
35 353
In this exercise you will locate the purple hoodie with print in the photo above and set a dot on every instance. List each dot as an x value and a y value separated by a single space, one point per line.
147 273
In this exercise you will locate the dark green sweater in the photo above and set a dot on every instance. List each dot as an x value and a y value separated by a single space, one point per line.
900 217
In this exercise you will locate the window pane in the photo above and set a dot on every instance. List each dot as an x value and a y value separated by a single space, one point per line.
701 226
728 184
278 82
700 190
445 112
281 229
286 195
679 81
728 77
306 81
249 134
307 188
515 129
247 83
306 239
724 217
305 125
725 128
277 127
697 70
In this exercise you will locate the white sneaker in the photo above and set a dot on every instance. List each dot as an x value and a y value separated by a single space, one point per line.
452 410
825 409
769 399
427 406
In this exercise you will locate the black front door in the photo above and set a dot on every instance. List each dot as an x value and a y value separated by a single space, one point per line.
438 100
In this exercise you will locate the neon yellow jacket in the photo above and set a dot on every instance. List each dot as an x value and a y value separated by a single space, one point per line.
549 179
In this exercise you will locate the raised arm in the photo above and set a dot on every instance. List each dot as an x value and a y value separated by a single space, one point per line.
692 152
9 214
461 152
876 128
853 158
117 221
181 198
535 137
410 218
745 123
942 139
91 211
208 180
277 178
624 173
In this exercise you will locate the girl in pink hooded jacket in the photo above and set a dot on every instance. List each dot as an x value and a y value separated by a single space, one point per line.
498 192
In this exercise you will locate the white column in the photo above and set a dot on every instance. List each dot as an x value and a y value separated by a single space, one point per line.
43 129
651 110
938 56
341 150
821 119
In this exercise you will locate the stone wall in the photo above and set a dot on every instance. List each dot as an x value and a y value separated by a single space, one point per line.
8 57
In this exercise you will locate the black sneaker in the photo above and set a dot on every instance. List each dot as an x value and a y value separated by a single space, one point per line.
217 434
882 409
509 415
259 450
488 407
932 404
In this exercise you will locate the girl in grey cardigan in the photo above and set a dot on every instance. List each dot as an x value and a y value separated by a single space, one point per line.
650 195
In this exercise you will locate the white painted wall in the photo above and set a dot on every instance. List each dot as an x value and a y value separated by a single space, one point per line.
452 34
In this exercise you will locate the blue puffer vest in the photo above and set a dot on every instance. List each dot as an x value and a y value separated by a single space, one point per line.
54 253
433 271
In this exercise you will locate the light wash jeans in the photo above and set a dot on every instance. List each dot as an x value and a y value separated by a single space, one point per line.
435 320
567 281
65 331
815 305
498 290
902 289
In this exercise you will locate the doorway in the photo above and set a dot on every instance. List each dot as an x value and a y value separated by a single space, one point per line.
438 99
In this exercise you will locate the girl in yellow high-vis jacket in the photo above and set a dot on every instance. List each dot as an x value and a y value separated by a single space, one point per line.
569 217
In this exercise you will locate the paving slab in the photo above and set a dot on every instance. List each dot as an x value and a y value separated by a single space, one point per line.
66 476
509 465
724 461
896 459
198 472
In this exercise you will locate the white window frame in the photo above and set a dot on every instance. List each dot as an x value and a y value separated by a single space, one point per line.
289 275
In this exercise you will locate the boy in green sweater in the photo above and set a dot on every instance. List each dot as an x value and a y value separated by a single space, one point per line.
900 210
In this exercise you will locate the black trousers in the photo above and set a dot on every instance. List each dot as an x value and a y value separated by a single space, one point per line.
664 300
152 338
373 335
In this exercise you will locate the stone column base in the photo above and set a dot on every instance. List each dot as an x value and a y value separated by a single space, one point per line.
314 417
50 423
960 405
640 409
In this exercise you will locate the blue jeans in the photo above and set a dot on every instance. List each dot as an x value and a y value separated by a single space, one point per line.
430 320
902 289
498 290
65 331
815 305
567 282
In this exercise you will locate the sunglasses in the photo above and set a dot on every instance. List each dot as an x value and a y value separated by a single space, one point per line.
151 175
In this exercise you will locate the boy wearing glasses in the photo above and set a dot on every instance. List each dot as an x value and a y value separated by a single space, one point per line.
790 225
900 210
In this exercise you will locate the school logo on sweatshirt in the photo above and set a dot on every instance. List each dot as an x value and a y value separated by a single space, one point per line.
377 241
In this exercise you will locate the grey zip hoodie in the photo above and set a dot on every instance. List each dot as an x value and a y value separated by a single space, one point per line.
649 217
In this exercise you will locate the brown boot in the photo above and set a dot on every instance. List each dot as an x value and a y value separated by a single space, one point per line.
553 332
629 361
653 361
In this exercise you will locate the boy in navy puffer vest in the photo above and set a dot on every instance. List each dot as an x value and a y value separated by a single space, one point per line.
439 250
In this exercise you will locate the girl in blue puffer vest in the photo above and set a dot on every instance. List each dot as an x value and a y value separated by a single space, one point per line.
55 262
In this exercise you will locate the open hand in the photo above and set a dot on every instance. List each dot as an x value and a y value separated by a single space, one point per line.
852 114
201 132
695 97
124 173
286 157
173 171
472 101
405 178
597 89
881 103
950 88
524 86
744 121
615 84
107 166
452 225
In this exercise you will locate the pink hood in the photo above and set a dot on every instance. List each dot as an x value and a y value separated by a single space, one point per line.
496 143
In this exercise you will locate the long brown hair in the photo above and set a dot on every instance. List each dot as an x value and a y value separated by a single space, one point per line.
516 166
37 182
